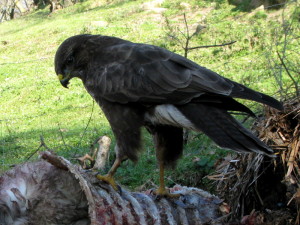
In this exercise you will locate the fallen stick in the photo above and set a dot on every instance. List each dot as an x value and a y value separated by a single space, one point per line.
102 153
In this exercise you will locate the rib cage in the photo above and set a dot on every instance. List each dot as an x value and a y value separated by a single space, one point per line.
98 202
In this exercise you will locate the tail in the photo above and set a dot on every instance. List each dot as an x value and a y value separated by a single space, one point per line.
223 129
241 91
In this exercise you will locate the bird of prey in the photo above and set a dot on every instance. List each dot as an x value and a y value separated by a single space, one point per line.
140 85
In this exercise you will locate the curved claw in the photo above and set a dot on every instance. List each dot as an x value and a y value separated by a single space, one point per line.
109 179
163 192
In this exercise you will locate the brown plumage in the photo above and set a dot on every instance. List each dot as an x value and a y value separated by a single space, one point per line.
140 85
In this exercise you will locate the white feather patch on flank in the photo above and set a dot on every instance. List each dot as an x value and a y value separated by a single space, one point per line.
168 114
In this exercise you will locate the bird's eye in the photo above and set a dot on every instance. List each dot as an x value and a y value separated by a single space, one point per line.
70 60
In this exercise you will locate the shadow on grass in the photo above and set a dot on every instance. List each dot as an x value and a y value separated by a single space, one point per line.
18 147
197 160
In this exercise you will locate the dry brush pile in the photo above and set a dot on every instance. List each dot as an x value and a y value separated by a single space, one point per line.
252 182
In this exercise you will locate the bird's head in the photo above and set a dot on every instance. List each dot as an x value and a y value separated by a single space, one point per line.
71 58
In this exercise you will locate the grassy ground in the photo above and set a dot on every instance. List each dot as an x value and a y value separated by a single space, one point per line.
33 103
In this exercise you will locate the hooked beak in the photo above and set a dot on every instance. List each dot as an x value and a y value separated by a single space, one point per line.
63 80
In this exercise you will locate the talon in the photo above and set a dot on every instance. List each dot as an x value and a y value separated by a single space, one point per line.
163 192
108 179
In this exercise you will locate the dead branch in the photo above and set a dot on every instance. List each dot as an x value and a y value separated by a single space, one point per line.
211 46
289 74
185 46
101 155
85 129
83 161
242 180
43 144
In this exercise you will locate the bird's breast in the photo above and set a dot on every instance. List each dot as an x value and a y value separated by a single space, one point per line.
168 114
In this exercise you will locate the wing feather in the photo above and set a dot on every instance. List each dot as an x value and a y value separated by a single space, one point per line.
138 72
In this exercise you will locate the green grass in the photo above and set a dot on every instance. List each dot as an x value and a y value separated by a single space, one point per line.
33 103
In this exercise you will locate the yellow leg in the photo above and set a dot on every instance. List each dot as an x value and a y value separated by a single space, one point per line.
162 191
108 178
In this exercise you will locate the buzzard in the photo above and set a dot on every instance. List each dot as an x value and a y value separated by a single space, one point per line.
140 85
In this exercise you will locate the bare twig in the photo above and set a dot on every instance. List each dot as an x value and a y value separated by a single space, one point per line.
85 129
88 123
288 73
61 135
188 37
85 157
211 46
185 46
99 154
82 160
43 144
